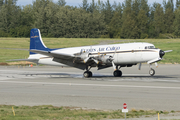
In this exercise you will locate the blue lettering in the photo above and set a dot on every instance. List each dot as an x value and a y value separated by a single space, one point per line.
101 49
108 49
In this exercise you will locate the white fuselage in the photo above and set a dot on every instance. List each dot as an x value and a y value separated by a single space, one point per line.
127 53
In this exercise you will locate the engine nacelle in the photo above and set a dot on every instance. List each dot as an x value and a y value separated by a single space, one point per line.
105 59
83 56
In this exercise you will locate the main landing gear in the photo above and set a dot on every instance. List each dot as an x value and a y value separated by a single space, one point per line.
87 73
117 72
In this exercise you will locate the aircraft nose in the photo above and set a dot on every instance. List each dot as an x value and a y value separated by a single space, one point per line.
161 53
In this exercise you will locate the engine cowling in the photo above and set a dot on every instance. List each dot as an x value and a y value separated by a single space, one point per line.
105 59
84 56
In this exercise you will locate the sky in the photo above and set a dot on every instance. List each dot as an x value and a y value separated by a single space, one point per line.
79 2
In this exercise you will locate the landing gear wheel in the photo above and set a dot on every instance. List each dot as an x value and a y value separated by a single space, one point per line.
152 72
117 73
87 74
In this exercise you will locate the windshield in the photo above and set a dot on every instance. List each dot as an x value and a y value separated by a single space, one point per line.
149 47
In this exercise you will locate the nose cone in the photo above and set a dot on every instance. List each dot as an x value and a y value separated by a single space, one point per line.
161 53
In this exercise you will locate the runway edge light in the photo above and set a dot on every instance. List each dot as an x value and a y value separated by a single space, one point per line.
125 110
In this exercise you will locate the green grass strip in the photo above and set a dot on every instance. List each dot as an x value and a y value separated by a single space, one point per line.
68 113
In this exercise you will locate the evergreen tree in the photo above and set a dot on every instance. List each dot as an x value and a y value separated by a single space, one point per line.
169 16
176 23
108 12
129 24
10 16
61 2
159 20
144 6
177 4
142 24
115 26
1 3
85 5
92 7
40 11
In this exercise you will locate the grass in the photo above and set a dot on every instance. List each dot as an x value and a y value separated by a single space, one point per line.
67 113
23 43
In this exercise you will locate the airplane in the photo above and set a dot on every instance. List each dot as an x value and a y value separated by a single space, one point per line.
100 56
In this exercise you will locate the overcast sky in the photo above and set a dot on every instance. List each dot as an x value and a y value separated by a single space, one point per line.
79 2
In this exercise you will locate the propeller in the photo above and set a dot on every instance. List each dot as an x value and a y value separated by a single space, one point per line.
162 53
168 51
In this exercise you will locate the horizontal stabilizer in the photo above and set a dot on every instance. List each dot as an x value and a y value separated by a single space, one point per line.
30 60
53 54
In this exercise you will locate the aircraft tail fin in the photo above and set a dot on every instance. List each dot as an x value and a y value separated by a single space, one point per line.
36 41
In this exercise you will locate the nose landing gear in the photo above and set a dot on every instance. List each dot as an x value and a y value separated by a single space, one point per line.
151 71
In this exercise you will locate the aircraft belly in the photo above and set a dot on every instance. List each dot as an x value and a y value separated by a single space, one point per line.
48 61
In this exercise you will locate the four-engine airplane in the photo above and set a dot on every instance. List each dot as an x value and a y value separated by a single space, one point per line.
100 56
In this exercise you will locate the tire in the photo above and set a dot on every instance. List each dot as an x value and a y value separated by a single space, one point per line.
152 72
86 74
117 73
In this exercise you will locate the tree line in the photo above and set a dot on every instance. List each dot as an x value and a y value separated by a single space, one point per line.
130 19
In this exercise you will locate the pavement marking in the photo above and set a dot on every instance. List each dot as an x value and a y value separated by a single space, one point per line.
98 85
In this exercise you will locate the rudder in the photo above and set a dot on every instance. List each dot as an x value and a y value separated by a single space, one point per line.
36 41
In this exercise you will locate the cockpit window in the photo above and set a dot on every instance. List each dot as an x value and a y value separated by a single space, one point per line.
149 47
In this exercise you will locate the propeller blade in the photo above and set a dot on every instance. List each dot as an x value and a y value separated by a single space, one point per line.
140 66
168 51
113 65
85 60
96 61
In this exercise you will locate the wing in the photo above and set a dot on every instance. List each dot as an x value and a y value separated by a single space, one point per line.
79 61
64 58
